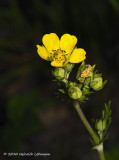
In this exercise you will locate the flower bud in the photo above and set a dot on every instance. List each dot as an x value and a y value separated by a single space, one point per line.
96 84
74 92
59 73
101 125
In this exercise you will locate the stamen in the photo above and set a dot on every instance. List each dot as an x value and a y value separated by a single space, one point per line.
59 55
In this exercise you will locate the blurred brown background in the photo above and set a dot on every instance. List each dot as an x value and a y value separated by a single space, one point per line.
32 119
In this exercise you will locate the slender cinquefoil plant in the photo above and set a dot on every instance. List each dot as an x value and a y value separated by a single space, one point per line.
63 55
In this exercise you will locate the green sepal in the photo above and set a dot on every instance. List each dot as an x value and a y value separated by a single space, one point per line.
86 91
80 69
87 81
62 91
72 84
81 79
104 83
80 85
97 75
93 83
93 67
69 67
83 99
97 83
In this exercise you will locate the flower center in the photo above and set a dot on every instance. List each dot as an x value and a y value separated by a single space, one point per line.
59 55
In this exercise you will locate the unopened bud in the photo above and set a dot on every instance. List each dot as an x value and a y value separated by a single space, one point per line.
74 92
101 125
96 84
59 73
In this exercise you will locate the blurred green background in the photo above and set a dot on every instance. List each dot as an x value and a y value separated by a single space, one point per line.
32 119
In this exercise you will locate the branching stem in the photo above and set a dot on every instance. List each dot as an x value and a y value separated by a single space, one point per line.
100 151
93 135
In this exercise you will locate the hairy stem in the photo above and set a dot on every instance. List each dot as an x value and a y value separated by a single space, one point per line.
86 123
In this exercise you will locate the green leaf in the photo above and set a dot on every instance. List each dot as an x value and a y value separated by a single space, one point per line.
105 117
62 90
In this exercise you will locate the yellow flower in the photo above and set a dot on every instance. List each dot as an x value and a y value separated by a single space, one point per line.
60 51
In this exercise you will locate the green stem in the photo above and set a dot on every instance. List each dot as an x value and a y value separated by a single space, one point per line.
87 125
94 136
100 151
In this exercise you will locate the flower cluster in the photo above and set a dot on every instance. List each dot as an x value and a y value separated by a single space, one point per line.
63 55
87 81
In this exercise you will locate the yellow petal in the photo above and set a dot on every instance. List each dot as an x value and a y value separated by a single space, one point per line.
68 42
51 42
57 64
42 52
78 55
